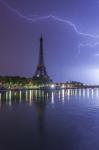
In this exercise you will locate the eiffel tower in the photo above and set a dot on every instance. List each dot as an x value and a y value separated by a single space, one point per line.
41 75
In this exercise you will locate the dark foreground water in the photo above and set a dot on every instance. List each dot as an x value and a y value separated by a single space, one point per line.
49 120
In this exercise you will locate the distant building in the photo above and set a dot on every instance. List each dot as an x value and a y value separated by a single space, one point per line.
69 84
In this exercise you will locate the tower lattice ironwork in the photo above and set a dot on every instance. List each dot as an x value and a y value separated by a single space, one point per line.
41 73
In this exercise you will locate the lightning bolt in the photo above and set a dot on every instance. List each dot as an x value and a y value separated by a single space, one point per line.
21 15
87 45
35 18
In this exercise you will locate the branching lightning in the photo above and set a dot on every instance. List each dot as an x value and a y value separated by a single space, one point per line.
35 18
92 46
89 45
31 19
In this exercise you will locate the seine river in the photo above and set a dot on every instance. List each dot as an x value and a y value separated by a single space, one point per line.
49 120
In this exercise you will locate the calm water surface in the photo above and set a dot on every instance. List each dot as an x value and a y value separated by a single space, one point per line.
49 120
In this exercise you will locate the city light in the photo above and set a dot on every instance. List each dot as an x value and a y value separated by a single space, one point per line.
52 86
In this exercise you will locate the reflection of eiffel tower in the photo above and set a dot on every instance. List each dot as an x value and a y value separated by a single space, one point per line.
41 73
40 102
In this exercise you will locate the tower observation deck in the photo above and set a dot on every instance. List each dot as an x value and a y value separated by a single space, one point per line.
41 75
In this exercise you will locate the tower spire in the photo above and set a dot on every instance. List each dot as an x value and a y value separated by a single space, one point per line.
41 55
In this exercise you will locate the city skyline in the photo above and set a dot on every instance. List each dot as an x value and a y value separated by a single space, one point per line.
71 39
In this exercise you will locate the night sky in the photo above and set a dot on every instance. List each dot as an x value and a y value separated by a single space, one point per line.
70 29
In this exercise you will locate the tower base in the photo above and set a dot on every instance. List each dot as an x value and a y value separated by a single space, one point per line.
42 80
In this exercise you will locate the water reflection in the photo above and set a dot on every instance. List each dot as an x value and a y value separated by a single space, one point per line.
40 106
68 94
46 117
0 96
52 98
20 96
88 93
97 92
63 95
0 99
10 98
92 93
29 96
59 95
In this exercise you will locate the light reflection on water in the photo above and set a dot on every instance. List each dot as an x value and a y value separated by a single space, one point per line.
52 98
62 96
47 120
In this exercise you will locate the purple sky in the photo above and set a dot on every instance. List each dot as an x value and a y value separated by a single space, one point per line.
71 38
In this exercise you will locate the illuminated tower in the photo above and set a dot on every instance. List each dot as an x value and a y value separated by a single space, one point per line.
41 73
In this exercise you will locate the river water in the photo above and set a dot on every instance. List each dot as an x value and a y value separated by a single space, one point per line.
49 120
